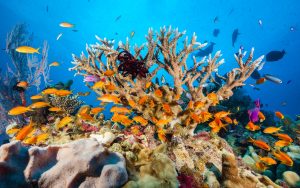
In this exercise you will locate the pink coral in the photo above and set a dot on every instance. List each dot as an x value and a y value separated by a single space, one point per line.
185 181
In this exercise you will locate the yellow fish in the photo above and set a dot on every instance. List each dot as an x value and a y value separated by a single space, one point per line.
30 140
66 120
27 50
98 85
49 91
39 105
54 64
162 122
282 143
148 84
132 34
213 98
267 160
110 87
18 110
63 93
271 130
85 117
66 24
35 97
42 138
12 131
140 120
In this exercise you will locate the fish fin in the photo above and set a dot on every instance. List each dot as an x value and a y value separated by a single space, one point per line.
37 51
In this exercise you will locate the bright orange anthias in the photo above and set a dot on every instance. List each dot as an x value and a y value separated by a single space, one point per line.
261 144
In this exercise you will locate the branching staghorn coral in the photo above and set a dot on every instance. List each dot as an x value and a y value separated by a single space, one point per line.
158 104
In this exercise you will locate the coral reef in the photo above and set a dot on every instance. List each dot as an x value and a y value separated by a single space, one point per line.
156 102
53 166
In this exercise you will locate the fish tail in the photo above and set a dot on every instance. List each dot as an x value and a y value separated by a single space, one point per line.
251 139
37 51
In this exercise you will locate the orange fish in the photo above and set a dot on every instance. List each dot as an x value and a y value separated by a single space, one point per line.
252 127
151 103
267 160
261 116
261 166
260 80
25 131
31 140
161 135
66 24
42 138
127 122
39 105
23 84
158 93
49 91
235 122
227 120
109 98
221 114
12 131
143 100
131 103
198 105
279 115
190 105
166 107
109 73
110 87
282 143
271 130
162 122
154 119
283 157
121 110
148 84
18 110
35 97
140 120
55 109
284 137
98 85
96 110
135 130
261 144
63 93
205 116
195 117
86 117
214 98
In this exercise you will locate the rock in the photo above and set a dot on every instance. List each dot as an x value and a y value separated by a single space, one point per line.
295 149
211 180
269 174
279 170
249 161
82 163
294 156
232 176
106 138
291 178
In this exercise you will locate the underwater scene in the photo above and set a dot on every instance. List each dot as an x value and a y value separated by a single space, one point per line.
150 94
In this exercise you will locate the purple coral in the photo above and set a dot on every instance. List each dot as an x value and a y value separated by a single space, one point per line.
253 113
185 181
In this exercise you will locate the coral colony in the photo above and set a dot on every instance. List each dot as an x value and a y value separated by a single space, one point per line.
161 133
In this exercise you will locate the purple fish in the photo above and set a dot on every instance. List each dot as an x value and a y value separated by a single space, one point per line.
91 78
253 113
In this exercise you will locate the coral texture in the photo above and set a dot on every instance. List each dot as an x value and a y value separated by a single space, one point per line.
82 163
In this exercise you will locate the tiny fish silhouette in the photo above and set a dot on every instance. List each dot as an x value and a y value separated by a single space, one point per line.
275 55
234 37
118 18
208 50
216 32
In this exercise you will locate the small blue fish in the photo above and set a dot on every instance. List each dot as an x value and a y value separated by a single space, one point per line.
289 81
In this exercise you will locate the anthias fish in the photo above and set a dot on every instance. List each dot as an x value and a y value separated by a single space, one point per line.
27 50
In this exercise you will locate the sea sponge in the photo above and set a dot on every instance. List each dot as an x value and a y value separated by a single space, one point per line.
291 178
156 170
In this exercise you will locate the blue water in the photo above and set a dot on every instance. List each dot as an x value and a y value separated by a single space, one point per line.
95 17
